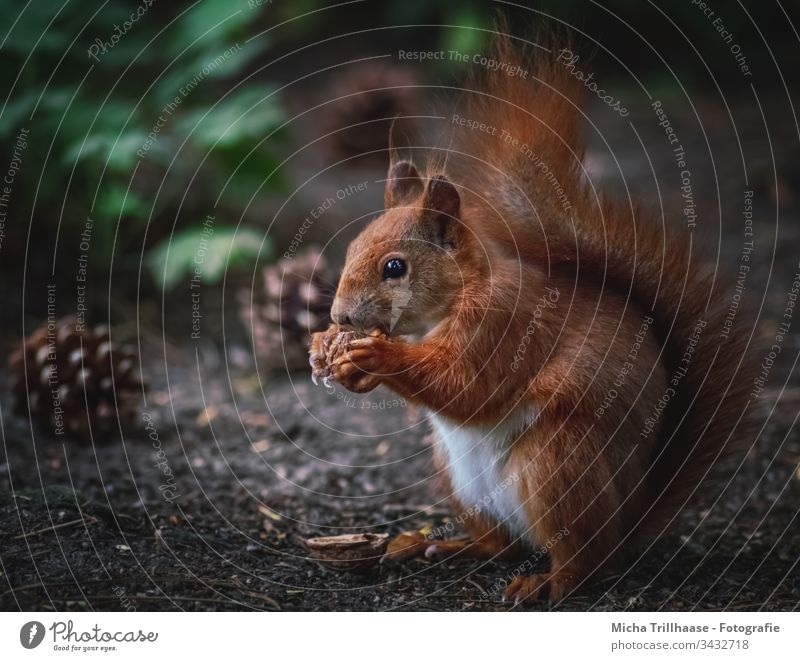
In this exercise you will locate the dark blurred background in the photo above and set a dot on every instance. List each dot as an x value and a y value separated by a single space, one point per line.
260 84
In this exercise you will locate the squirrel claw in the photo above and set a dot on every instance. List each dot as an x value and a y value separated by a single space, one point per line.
431 551
317 356
528 589
366 342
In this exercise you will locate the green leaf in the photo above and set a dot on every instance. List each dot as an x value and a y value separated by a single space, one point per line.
206 252
240 118
116 201
118 152
216 21
210 64
17 112
466 36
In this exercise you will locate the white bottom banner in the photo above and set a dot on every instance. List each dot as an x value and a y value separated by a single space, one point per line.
398 636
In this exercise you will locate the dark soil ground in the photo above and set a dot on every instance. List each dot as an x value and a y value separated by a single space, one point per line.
253 481
260 464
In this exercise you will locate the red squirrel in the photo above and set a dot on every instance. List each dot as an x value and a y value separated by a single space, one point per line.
567 347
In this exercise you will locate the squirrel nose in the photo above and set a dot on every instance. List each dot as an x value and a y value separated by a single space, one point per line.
339 314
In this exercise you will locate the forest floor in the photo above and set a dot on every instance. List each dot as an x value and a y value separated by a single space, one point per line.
88 527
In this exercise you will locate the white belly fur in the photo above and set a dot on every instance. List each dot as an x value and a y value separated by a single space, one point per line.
476 457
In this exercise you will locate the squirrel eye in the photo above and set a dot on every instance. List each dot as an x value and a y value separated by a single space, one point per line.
394 268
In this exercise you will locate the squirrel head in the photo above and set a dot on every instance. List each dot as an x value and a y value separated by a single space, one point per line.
403 272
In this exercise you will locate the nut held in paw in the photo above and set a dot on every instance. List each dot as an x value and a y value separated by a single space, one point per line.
334 345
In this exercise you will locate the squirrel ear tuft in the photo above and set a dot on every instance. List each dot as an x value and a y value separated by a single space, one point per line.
403 184
440 207
441 196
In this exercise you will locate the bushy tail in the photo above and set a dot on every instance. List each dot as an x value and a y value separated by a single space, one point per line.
527 161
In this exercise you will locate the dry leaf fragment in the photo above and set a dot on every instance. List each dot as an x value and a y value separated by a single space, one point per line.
260 446
272 514
251 419
353 552
205 416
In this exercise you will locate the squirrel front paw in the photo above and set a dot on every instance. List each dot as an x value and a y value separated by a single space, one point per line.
361 363
353 359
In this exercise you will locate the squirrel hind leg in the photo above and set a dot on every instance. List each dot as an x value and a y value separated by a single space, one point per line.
575 484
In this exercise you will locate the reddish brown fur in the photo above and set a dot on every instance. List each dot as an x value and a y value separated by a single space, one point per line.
481 259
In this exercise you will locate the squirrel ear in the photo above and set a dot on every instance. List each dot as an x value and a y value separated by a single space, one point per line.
440 207
403 184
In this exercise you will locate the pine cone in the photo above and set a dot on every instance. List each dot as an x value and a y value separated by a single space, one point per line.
295 301
365 93
72 381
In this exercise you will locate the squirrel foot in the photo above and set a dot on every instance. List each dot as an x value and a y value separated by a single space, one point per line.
552 585
409 545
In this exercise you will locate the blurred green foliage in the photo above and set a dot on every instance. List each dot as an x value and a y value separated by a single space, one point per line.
146 122
146 115
132 122
193 251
